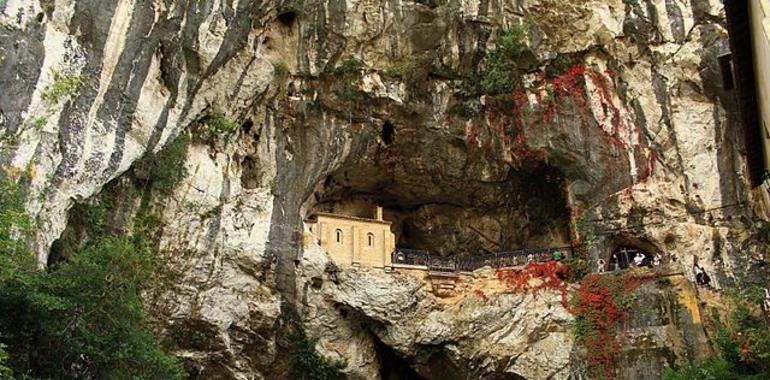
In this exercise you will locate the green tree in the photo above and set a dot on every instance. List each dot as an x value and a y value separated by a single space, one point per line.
501 71
83 319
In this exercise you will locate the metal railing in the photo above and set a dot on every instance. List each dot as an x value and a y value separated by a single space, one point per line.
497 260
414 257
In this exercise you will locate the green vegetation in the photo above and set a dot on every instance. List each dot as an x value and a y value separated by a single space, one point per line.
665 282
82 318
165 169
281 72
40 122
583 233
306 364
561 64
715 369
412 67
501 74
220 125
63 86
215 127
5 372
350 65
578 265
349 70
601 308
743 340
48 6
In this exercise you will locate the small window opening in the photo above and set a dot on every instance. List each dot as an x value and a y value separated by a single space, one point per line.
287 18
339 236
370 238
388 133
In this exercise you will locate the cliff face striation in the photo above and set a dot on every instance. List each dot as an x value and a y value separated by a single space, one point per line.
480 126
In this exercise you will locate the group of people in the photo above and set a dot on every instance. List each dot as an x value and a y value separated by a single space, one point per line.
556 255
639 260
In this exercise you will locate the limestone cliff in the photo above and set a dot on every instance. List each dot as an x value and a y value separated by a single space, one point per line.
614 130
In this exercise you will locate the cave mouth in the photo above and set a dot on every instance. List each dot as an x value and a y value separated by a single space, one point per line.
447 214
625 250
287 18
393 366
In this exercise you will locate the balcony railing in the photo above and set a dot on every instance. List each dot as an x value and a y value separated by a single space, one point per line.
414 257
423 258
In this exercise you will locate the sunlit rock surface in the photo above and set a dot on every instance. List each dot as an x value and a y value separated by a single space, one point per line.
652 157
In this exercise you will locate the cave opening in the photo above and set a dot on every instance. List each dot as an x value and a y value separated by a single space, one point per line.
247 126
393 366
388 133
287 18
626 256
435 208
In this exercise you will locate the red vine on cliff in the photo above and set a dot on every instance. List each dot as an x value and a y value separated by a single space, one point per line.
601 306
551 275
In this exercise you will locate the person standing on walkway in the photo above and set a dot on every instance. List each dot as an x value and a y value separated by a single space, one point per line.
601 266
557 256
656 261
639 259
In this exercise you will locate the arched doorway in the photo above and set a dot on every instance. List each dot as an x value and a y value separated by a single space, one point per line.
626 256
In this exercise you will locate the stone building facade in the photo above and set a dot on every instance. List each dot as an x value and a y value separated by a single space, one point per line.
353 240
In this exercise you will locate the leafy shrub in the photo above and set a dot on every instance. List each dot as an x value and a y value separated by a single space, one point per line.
665 282
281 72
5 372
411 67
15 223
165 169
743 341
216 126
501 72
350 65
83 318
63 86
512 41
578 265
307 364
715 369
40 122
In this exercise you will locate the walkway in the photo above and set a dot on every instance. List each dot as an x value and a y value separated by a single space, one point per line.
424 260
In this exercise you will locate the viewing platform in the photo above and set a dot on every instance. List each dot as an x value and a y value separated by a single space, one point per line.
422 259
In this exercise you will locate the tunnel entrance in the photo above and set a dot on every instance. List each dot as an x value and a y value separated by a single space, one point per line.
452 205
627 257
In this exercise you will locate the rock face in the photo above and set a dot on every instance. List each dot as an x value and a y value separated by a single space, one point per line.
617 133
473 335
